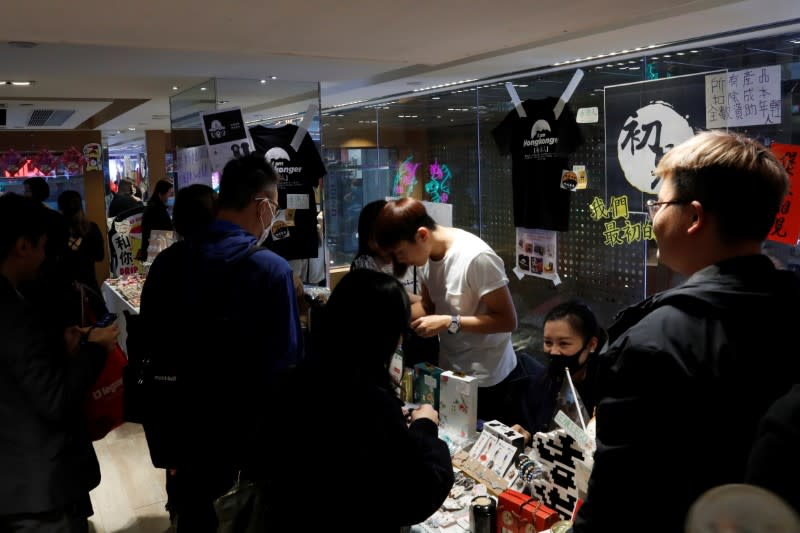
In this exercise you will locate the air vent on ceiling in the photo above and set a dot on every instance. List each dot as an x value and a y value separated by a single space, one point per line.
49 117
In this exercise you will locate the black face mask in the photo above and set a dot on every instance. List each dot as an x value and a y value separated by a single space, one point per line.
558 363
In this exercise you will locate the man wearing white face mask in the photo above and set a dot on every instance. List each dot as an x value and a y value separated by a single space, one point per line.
235 330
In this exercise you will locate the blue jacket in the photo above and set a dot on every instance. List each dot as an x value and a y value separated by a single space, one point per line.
226 313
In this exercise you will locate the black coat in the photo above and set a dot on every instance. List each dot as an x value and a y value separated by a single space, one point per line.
694 370
47 461
343 455
774 460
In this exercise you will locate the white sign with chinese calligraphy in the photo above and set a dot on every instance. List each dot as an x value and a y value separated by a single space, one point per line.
744 97
536 254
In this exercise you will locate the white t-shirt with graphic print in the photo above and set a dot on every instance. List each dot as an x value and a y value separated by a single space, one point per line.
469 270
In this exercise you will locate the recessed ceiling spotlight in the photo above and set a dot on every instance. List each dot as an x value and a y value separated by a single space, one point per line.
203 89
131 129
174 87
222 101
22 44
263 81
273 77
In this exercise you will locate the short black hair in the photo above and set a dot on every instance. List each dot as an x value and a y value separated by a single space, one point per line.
40 190
195 208
243 179
19 217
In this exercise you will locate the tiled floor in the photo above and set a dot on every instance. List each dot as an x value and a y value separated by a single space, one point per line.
131 494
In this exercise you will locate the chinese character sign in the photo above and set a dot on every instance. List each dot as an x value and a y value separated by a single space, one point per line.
787 223
126 239
536 254
644 121
744 97
615 234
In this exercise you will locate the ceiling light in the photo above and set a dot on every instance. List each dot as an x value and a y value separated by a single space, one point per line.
435 98
222 101
681 53
174 87
273 77
263 82
667 55
131 129
203 89
21 83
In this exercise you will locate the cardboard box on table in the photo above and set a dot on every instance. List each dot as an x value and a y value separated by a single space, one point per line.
519 513
426 383
458 404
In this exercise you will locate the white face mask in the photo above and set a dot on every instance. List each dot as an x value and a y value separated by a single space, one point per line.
267 229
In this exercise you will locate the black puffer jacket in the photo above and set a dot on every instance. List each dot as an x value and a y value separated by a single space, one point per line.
694 370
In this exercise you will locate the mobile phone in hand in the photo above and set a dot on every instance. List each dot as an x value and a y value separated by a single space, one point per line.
106 321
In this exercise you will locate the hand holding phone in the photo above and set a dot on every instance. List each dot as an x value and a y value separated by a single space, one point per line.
106 321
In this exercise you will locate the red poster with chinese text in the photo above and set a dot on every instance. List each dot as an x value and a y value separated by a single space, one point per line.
787 224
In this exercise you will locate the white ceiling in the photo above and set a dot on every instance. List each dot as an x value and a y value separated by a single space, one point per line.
101 50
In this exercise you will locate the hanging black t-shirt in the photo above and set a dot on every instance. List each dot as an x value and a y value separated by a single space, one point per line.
299 171
539 146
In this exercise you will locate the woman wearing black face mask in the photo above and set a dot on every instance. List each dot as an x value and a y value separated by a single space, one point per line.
572 340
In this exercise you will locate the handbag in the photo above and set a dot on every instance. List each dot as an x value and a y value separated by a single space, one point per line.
244 508
105 403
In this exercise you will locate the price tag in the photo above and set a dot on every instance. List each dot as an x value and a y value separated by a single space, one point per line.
573 430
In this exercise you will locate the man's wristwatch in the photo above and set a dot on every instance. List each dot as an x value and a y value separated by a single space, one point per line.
455 324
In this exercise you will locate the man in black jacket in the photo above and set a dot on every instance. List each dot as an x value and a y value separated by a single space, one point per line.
692 369
47 461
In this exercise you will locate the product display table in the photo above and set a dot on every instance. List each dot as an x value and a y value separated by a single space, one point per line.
120 295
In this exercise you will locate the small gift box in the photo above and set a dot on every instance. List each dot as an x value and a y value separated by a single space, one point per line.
458 404
426 383
519 513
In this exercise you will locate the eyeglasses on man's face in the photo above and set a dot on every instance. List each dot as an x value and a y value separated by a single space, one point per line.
273 205
654 207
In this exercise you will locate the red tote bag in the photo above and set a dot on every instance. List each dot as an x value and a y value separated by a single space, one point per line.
105 403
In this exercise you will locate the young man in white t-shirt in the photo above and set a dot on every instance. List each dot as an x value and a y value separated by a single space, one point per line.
465 297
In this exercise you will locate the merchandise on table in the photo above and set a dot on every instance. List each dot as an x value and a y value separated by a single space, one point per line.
519 513
426 383
129 287
458 404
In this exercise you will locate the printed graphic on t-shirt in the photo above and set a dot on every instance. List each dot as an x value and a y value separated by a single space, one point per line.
539 145
299 172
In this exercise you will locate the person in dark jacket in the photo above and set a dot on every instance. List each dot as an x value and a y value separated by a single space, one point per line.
51 291
397 474
694 368
46 457
235 331
85 247
123 200
774 461
156 216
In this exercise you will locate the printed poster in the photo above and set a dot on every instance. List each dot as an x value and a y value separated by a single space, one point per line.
226 136
126 240
787 223
644 120
746 97
194 166
536 254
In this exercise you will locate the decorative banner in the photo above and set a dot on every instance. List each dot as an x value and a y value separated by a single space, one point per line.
73 161
93 153
11 161
614 234
536 254
645 120
787 224
226 137
44 161
744 98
